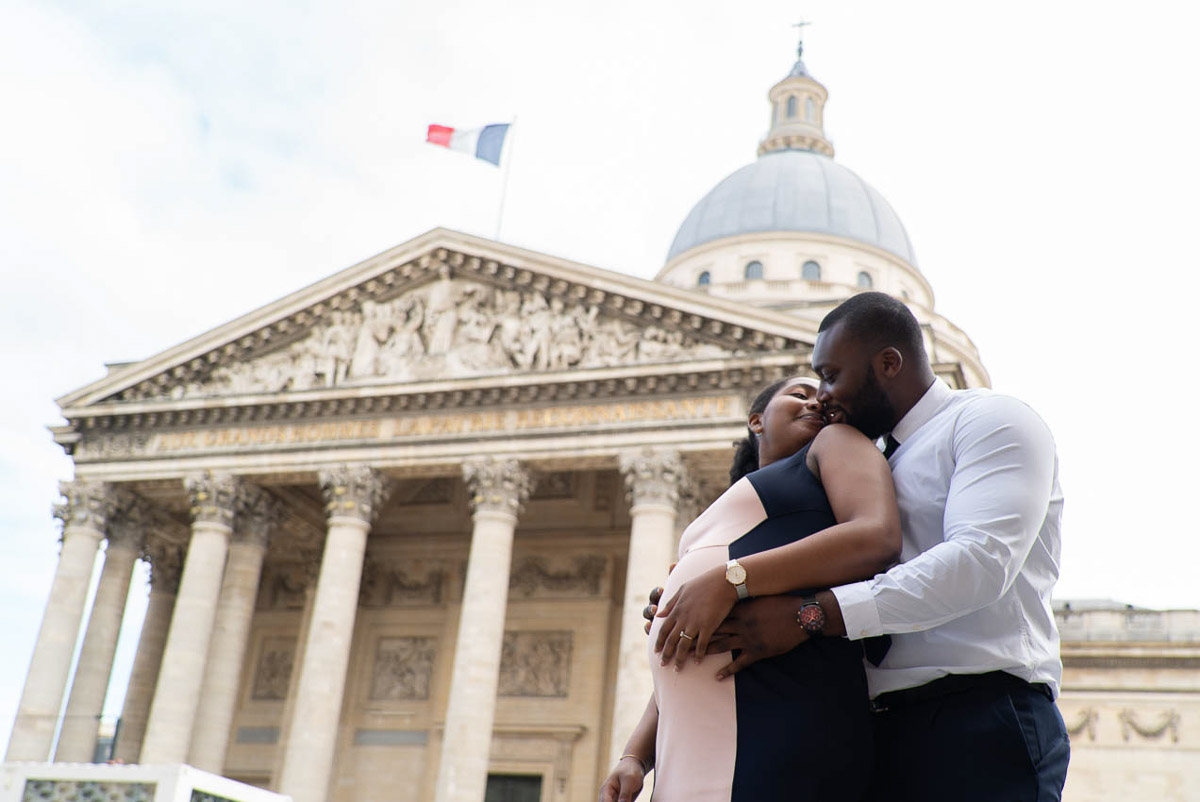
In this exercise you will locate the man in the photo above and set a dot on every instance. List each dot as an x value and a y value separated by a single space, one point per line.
964 697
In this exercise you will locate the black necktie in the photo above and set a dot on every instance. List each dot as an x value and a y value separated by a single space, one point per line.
890 447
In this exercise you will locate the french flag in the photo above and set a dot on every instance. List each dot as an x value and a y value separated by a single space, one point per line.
482 143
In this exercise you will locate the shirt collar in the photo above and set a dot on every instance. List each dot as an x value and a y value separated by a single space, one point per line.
923 410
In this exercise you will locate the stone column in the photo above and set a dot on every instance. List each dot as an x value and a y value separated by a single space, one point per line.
654 479
84 514
497 488
81 722
353 496
304 575
166 561
256 517
177 693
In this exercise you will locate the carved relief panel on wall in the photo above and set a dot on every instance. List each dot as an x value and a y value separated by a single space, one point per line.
558 576
403 667
274 669
403 582
451 327
536 664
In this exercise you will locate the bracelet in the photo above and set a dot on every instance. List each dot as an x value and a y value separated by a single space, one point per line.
642 763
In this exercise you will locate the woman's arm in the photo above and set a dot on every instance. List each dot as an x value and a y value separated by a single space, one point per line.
627 778
864 542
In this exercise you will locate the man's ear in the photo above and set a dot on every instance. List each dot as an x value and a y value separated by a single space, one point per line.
889 362
755 422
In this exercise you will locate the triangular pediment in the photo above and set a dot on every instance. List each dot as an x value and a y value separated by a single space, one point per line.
446 306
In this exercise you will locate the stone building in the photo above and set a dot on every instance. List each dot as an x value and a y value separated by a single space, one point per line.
401 522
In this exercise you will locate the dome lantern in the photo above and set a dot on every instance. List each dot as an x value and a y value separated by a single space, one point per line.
797 112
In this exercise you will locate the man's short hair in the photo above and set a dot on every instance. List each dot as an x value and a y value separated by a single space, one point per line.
878 320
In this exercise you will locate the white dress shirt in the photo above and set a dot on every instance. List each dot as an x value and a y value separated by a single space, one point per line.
977 484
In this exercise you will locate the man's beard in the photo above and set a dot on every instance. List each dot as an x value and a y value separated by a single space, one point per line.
873 415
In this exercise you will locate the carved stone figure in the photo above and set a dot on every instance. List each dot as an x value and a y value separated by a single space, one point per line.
403 667
450 326
536 664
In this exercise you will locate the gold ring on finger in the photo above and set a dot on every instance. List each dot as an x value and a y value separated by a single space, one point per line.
685 635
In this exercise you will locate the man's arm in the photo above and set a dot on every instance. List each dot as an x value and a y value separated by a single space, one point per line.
996 503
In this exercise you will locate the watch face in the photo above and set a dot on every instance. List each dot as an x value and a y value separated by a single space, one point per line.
812 618
735 574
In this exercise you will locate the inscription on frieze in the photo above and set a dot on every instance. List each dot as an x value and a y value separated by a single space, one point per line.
403 667
569 576
536 664
459 423
274 669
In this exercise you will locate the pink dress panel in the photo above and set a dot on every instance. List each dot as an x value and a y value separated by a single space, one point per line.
697 716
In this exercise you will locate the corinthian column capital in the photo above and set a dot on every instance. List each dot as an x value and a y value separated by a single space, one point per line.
258 514
213 497
86 503
497 485
354 491
654 477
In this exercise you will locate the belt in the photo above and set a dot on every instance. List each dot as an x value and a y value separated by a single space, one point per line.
954 685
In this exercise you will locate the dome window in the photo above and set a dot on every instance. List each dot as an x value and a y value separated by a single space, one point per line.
704 279
754 270
810 109
864 280
811 271
791 107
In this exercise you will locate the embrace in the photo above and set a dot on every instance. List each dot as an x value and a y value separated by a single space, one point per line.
850 624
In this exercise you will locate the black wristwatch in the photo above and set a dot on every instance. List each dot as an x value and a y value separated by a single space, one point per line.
810 616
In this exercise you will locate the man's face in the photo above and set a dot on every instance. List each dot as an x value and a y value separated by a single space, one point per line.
850 390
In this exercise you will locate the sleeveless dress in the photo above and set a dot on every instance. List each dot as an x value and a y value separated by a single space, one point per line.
791 728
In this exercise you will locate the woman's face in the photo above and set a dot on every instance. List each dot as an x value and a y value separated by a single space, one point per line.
790 421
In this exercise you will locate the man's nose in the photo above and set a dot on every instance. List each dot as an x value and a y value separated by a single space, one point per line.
823 393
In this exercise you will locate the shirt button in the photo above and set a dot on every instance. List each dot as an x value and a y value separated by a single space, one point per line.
862 632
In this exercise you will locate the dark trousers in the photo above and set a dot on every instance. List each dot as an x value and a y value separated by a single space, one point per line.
1001 741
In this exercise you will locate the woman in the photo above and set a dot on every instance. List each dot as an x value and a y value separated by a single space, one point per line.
820 510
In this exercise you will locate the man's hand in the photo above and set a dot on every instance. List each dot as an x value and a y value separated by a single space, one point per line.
651 609
759 628
624 783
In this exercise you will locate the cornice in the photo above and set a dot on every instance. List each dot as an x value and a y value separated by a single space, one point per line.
443 254
695 378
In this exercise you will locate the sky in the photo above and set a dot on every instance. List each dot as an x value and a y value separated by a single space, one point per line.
168 166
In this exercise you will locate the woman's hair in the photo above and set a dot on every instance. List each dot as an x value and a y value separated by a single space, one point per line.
745 455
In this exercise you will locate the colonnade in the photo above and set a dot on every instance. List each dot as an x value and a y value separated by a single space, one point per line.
183 690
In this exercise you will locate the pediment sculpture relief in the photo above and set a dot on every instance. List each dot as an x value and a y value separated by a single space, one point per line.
452 327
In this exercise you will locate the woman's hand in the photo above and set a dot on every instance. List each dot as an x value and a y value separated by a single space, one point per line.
692 615
625 782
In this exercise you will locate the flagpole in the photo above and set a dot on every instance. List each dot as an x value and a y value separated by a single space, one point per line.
512 133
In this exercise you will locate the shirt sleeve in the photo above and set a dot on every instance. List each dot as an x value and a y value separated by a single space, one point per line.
999 493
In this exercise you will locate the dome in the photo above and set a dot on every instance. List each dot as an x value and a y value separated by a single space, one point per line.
795 190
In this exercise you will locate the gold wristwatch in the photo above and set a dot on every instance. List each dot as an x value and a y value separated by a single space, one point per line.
735 575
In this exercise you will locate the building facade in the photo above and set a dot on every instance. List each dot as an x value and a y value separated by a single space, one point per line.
401 523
